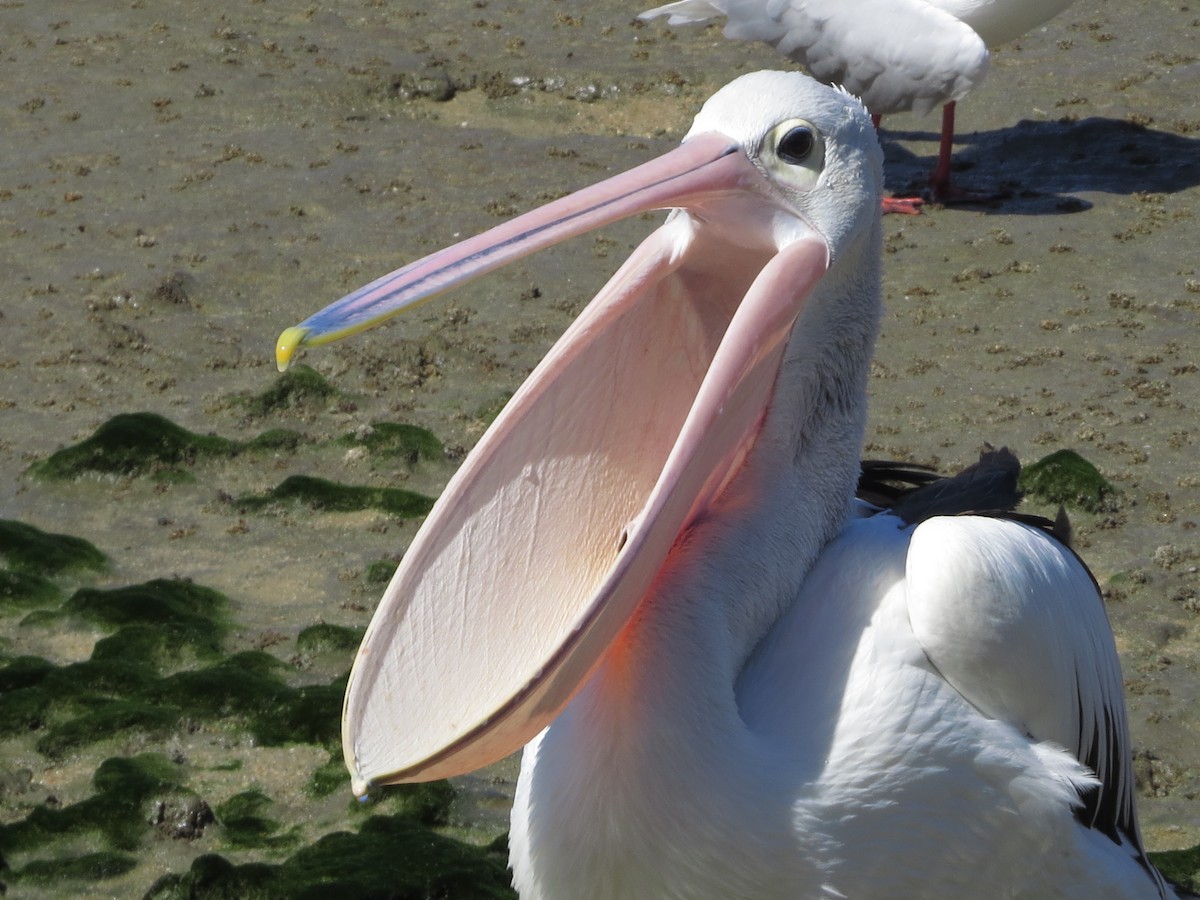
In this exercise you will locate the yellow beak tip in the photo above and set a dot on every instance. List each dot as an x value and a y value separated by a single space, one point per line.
285 348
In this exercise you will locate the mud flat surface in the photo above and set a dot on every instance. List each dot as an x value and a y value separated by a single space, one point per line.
179 182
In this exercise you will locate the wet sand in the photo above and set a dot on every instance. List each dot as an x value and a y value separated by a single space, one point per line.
178 184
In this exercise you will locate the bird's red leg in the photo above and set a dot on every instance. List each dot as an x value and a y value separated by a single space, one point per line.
939 182
905 206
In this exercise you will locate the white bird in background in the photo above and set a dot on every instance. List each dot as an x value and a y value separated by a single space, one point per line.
896 55
733 678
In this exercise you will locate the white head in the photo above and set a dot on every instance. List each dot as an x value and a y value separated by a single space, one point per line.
815 145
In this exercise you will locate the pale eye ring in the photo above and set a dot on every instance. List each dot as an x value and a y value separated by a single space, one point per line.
797 145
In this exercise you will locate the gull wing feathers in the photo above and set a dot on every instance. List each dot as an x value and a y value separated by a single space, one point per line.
854 45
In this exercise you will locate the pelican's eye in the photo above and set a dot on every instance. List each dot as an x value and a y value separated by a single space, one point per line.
794 153
797 145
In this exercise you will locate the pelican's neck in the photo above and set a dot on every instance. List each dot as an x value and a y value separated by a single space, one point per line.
738 569
659 717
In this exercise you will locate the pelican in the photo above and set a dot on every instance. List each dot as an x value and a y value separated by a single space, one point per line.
897 55
730 677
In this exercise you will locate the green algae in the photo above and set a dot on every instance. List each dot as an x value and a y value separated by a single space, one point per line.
159 670
183 613
245 826
134 444
82 703
389 857
152 646
488 412
213 877
311 714
21 711
276 439
23 672
118 811
127 684
1180 866
97 866
408 442
329 777
323 638
298 386
24 703
30 550
427 802
64 701
1066 477
248 689
381 571
20 591
41 618
105 719
330 496
240 684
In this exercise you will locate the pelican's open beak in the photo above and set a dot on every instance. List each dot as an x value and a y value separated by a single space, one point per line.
556 525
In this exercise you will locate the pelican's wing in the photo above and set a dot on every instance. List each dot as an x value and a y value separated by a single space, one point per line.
894 54
1015 623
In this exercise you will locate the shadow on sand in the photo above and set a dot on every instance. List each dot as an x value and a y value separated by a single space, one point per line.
1036 168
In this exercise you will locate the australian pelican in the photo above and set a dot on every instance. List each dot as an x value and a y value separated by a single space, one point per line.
732 678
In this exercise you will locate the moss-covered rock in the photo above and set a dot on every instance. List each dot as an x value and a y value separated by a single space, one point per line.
22 591
23 672
213 877
298 386
98 866
427 802
324 638
245 824
390 858
329 777
24 700
73 710
243 687
311 714
488 412
1180 866
180 613
119 811
134 444
134 682
77 703
276 439
1066 477
330 496
392 439
104 719
27 549
381 571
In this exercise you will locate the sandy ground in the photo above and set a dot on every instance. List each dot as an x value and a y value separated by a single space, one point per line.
180 181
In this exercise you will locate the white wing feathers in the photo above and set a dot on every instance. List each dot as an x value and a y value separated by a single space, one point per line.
1015 623
895 55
